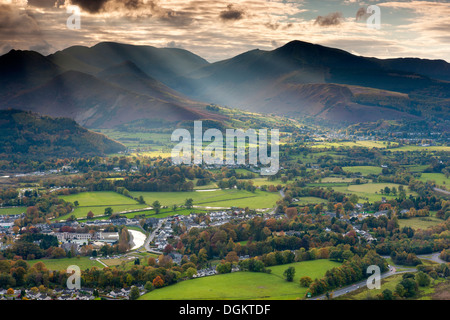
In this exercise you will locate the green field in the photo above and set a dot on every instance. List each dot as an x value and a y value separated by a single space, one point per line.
419 222
62 264
370 191
364 170
217 198
98 198
310 200
245 285
336 180
98 201
439 178
12 210
350 144
419 148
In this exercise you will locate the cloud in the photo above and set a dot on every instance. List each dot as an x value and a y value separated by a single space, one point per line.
173 44
361 14
232 13
91 6
332 19
15 21
19 29
43 3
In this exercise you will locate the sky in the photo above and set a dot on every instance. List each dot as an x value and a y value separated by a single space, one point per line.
221 29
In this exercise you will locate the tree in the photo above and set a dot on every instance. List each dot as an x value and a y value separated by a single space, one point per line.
141 200
108 211
10 291
289 274
90 215
158 282
188 203
291 212
387 295
134 293
223 267
305 281
156 206
423 279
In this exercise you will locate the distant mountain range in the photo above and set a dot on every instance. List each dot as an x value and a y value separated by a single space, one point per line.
111 84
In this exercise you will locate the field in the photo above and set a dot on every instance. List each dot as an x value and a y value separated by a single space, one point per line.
336 180
419 148
99 198
364 144
62 264
245 285
214 199
439 178
369 191
310 200
12 210
98 201
364 170
419 222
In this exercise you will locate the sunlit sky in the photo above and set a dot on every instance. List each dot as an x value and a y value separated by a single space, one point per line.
221 29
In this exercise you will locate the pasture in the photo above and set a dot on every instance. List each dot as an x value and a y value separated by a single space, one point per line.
216 198
370 191
245 285
12 210
364 170
439 178
63 263
419 222
98 201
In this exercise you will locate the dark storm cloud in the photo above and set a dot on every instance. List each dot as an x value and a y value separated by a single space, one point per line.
332 19
42 3
92 6
135 9
232 13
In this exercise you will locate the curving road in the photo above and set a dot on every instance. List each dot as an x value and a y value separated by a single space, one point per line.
341 291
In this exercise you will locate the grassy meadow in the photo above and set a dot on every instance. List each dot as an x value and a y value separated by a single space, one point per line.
245 285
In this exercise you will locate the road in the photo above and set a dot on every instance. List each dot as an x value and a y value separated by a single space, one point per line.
152 236
442 191
356 286
433 257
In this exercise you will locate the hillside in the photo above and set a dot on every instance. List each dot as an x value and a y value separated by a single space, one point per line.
31 136
301 78
111 84
101 90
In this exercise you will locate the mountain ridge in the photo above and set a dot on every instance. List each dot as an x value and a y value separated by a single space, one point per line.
298 79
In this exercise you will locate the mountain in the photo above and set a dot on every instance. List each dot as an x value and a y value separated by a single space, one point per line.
95 103
161 63
112 84
26 134
20 70
128 76
96 87
305 79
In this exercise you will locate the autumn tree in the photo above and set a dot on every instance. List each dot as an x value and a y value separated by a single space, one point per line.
90 215
158 282
305 281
